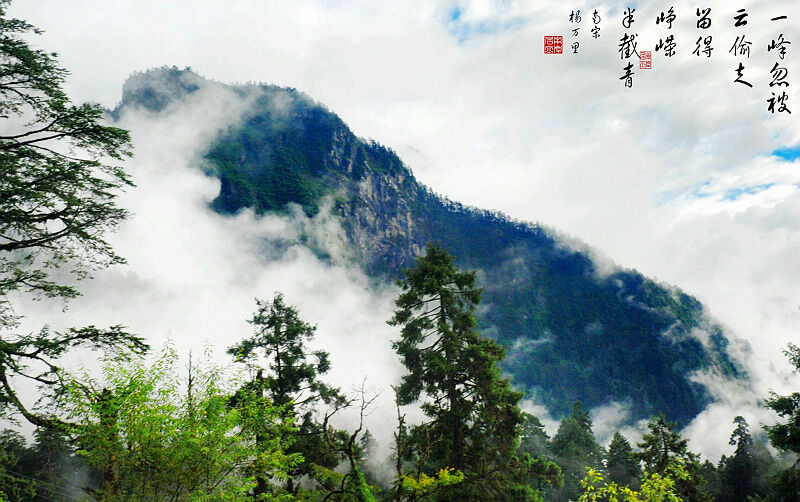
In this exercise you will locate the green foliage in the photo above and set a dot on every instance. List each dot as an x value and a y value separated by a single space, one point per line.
743 475
786 435
148 442
285 375
533 438
574 448
421 486
474 421
54 209
357 489
661 447
279 338
40 472
655 487
621 465
12 449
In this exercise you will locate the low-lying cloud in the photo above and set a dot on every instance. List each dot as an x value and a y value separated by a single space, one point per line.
673 177
192 274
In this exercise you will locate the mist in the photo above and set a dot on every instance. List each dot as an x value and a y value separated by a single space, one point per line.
675 177
192 275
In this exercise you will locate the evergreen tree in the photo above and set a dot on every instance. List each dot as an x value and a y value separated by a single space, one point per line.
575 448
288 376
534 439
58 186
13 450
711 474
785 436
367 457
660 446
742 475
622 467
474 421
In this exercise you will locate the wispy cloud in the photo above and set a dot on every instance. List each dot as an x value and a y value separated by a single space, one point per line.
686 176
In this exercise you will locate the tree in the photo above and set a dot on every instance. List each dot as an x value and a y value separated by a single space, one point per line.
655 487
743 475
663 444
533 438
711 475
785 436
352 486
622 467
474 421
58 189
284 373
12 451
575 448
149 442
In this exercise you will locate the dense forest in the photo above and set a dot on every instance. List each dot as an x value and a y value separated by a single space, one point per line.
139 431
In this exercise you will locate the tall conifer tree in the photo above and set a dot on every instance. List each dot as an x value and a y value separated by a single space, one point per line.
663 443
287 375
575 448
622 467
474 421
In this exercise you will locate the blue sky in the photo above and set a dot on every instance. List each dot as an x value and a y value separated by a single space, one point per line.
466 97
465 30
788 153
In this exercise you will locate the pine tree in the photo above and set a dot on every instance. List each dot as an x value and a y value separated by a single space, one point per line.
575 448
533 439
622 467
785 436
287 375
711 474
661 445
474 421
742 475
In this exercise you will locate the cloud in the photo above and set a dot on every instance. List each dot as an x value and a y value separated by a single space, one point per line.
675 177
609 419
192 274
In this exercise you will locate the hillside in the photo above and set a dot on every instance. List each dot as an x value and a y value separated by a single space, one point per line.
573 332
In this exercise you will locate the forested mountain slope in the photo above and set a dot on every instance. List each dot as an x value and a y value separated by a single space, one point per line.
572 332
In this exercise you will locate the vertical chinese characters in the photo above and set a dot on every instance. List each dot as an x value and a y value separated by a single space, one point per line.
779 74
596 22
667 44
627 47
703 42
740 47
575 19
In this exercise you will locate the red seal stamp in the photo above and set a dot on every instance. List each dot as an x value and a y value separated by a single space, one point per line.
553 45
645 60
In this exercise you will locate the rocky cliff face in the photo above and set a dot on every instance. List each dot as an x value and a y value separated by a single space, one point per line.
572 332
379 222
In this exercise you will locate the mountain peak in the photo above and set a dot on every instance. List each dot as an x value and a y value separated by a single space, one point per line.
156 88
571 332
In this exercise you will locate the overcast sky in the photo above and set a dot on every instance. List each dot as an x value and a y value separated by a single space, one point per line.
685 176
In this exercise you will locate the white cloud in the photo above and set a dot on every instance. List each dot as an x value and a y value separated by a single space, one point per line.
192 275
492 122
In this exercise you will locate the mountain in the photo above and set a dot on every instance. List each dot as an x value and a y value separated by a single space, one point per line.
573 331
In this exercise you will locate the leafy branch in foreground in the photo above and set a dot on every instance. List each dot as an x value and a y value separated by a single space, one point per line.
59 181
149 441
57 192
